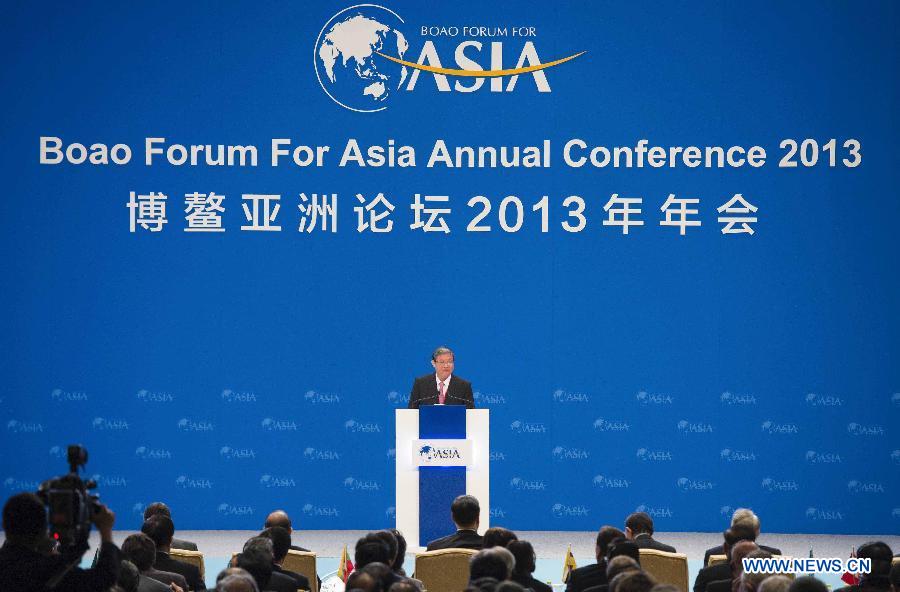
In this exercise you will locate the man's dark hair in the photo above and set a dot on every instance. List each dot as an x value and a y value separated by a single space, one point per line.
362 580
257 560
498 536
24 518
388 537
623 547
895 575
465 510
509 586
807 584
281 541
404 586
381 572
635 581
739 532
605 536
524 554
401 552
640 523
371 549
488 564
482 585
129 576
160 529
620 564
140 550
882 556
157 509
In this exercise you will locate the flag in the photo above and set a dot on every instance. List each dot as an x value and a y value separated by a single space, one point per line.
849 578
345 567
568 564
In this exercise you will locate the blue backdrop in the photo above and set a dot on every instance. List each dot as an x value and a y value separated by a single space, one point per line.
230 373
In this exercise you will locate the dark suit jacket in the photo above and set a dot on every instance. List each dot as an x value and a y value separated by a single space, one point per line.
184 545
302 581
720 571
719 586
425 392
528 581
645 541
190 572
586 577
720 550
23 569
461 539
280 582
167 577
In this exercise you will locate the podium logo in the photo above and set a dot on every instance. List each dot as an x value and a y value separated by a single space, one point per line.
105 481
813 513
15 426
770 484
610 482
145 396
316 398
858 429
566 511
655 512
148 453
729 455
561 396
608 425
320 454
396 398
354 484
814 400
14 484
190 425
229 453
645 398
728 398
114 425
278 425
60 395
771 427
519 484
688 427
268 481
444 453
564 453
648 455
185 482
235 510
526 427
862 487
230 396
814 457
356 427
686 484
489 398
326 511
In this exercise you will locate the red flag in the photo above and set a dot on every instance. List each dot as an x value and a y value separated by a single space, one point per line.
849 578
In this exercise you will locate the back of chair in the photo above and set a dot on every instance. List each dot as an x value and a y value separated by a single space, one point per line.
714 559
444 570
666 568
192 557
304 563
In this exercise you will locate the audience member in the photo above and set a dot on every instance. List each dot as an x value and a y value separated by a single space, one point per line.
141 551
619 565
595 573
525 566
745 518
465 513
129 577
776 583
235 579
405 585
401 553
281 543
389 538
722 571
490 563
739 551
624 547
482 585
24 567
259 559
371 549
895 577
632 581
161 509
751 581
363 581
161 529
281 518
807 584
498 536
639 528
878 579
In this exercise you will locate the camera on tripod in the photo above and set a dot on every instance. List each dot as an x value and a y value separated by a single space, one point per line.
70 505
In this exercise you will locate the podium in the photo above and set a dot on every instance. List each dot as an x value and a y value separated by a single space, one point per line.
443 451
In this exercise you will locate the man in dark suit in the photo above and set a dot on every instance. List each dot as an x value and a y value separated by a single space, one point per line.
372 554
281 542
258 558
441 387
639 529
161 508
465 512
160 529
722 571
140 550
281 518
739 551
745 518
595 573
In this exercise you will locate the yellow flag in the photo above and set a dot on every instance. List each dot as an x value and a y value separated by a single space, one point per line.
345 567
568 565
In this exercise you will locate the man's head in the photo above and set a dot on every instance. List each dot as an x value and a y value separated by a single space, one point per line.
735 534
638 523
279 518
620 564
807 584
620 547
371 549
361 580
281 542
401 549
157 508
161 530
776 583
739 551
882 556
389 538
256 558
751 581
525 557
129 576
605 536
442 360
140 550
465 512
745 517
895 577
24 519
491 563
632 581
498 536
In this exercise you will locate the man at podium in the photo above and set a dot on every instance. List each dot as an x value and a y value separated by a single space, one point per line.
442 387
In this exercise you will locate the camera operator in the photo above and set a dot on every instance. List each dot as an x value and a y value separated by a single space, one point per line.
28 565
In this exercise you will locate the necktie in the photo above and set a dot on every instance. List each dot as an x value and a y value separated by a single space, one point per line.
441 395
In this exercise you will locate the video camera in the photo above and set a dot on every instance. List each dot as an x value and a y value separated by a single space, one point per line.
70 505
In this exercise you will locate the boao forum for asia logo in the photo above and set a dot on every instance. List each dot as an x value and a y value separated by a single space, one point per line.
363 56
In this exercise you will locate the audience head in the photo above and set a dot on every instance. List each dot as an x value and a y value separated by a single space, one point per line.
882 556
281 542
740 550
401 551
140 550
235 579
619 565
388 537
750 582
895 577
129 576
509 586
161 529
279 518
371 549
482 585
24 519
624 547
745 518
524 555
735 534
632 581
776 583
638 523
382 574
497 536
807 584
491 563
157 509
404 586
256 558
605 536
363 580
465 512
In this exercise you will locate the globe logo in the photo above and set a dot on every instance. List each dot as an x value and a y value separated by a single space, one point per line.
347 65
